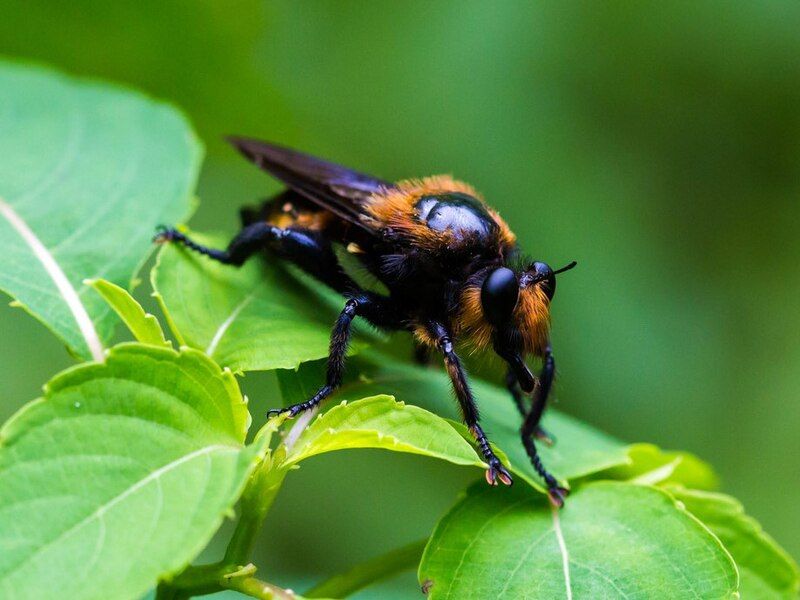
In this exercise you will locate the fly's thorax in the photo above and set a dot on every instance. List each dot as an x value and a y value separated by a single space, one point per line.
457 215
437 214
530 318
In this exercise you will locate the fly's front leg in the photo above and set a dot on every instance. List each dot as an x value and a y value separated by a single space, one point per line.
512 385
531 423
469 410
519 380
516 394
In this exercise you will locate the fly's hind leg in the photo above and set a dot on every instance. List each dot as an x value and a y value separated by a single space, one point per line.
247 242
309 250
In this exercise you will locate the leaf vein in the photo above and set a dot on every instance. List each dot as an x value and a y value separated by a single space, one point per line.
101 510
59 278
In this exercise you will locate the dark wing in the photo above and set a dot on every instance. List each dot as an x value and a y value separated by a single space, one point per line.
332 187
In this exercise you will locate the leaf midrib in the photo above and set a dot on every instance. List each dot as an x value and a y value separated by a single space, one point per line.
59 278
230 319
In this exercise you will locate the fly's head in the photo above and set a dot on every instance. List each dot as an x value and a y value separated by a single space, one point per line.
509 309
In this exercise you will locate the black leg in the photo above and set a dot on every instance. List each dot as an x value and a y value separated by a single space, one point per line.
309 250
469 409
247 242
340 339
530 424
370 306
516 393
512 384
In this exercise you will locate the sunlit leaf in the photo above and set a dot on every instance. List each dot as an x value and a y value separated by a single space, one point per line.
87 171
612 540
767 572
579 450
144 327
119 475
381 422
652 466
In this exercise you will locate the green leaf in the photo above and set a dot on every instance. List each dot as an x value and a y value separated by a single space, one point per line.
87 171
381 422
650 465
612 540
256 317
144 326
579 450
120 474
766 570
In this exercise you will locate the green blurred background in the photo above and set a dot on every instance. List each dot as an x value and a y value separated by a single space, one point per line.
656 143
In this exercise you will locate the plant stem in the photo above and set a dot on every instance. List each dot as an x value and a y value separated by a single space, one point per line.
235 569
260 493
208 579
256 502
255 588
371 571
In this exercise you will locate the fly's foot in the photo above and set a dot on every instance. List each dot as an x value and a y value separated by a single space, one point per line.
295 409
556 496
166 234
292 411
274 412
497 472
544 436
555 493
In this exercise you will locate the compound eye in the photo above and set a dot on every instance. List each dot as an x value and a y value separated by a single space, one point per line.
549 287
499 295
546 279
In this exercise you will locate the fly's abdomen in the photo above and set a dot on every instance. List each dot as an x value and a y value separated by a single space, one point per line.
289 210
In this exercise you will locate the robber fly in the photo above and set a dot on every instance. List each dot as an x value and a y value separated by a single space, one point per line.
450 263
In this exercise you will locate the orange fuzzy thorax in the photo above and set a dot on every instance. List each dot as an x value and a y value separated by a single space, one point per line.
395 208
